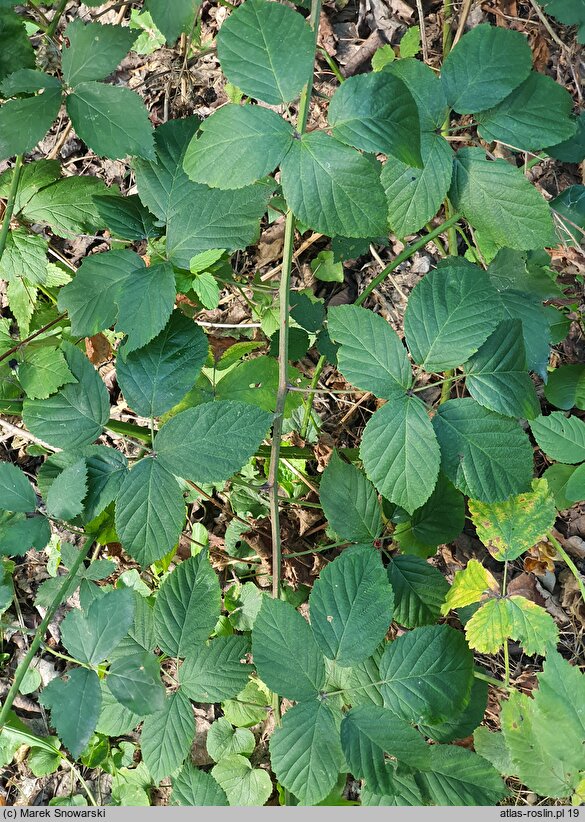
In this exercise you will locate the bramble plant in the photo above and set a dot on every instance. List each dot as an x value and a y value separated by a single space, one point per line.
381 666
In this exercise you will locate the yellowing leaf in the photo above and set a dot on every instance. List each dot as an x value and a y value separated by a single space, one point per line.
489 627
510 528
469 585
531 626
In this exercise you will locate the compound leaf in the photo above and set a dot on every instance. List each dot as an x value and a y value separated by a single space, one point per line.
351 606
187 606
167 735
350 502
531 626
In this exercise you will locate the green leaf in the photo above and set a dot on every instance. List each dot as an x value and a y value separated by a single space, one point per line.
93 51
215 671
382 57
16 492
469 585
350 502
484 67
224 740
285 652
419 591
33 177
146 303
67 206
18 534
173 18
377 113
400 452
333 188
575 488
363 681
187 606
492 746
415 194
568 12
405 792
326 269
427 90
460 777
24 252
510 528
527 272
91 637
155 377
535 115
106 470
167 735
351 606
22 298
126 217
244 786
410 43
135 682
267 51
211 442
251 706
561 438
485 455
427 674
115 719
572 150
66 494
439 521
305 752
535 328
489 627
112 120
497 376
236 146
28 81
75 706
462 725
25 121
150 511
569 210
194 787
17 51
76 414
522 219
370 355
450 313
247 605
367 732
531 626
43 371
544 759
566 387
557 477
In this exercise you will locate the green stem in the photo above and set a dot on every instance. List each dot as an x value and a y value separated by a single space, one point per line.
506 647
332 65
492 681
405 255
309 400
9 210
570 564
39 634
447 385
42 330
56 17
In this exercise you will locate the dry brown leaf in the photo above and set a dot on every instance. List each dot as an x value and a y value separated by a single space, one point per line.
98 349
571 598
525 585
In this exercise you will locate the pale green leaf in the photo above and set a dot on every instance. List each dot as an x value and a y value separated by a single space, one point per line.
266 50
92 51
499 200
224 740
91 637
16 492
155 377
150 511
236 146
350 502
22 298
67 206
24 253
194 787
211 442
167 735
471 584
484 67
285 652
535 115
485 455
216 670
243 785
497 375
419 591
333 188
305 752
400 452
75 706
561 438
450 313
43 371
252 705
370 355
67 492
76 414
492 746
112 120
187 606
351 606
510 528
427 674
377 113
489 627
